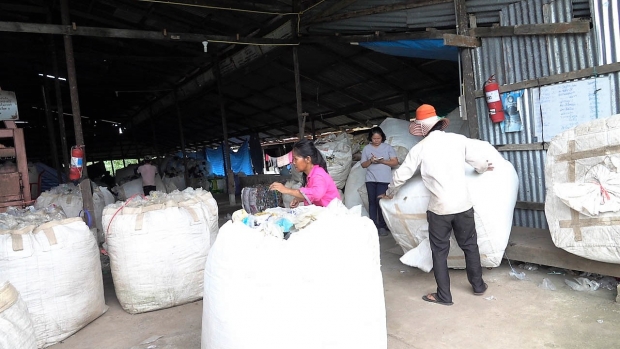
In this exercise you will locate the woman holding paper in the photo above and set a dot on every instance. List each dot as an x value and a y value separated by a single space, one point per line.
378 158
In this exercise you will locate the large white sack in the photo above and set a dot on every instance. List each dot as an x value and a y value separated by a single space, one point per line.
15 323
56 269
158 248
134 187
337 153
583 221
69 197
493 194
321 288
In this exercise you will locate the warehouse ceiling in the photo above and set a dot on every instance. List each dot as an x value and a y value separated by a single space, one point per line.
142 74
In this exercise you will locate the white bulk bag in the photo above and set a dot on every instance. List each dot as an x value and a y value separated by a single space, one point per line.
158 248
57 270
356 180
581 176
15 323
134 187
321 288
336 151
493 194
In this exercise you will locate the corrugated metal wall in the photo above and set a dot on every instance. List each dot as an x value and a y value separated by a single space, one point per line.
433 16
519 58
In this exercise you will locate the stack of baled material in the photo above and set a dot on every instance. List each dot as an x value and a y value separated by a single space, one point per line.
158 247
54 264
582 204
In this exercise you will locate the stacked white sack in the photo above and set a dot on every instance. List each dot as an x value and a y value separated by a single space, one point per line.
69 197
56 268
321 288
134 187
15 322
336 151
493 194
158 248
583 190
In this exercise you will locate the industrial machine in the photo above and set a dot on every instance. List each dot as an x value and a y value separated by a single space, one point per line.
14 182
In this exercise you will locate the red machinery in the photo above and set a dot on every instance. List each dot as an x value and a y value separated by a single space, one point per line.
494 102
14 185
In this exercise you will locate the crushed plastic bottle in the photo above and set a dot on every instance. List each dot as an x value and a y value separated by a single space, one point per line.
583 284
546 284
520 275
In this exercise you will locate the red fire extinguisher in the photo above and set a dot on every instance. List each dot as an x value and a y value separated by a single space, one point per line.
77 159
494 102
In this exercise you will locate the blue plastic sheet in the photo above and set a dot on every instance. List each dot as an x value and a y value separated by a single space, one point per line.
240 160
427 48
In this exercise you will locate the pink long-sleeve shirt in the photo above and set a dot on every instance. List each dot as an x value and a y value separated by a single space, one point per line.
320 188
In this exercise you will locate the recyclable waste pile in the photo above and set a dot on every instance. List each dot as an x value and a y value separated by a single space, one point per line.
15 322
300 278
259 198
53 262
69 197
158 246
336 151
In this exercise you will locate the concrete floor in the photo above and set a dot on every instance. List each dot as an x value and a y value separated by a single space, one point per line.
512 314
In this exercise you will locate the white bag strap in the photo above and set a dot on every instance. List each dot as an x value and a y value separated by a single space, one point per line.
8 296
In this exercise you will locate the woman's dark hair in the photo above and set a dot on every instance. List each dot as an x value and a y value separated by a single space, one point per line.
376 130
306 148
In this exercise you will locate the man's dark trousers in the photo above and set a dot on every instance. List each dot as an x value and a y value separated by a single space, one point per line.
439 229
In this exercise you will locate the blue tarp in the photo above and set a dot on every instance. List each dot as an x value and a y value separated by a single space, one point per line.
240 160
428 48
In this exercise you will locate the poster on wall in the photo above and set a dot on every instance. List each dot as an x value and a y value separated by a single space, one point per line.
559 107
512 102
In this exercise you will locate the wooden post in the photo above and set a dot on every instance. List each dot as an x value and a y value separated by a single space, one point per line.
230 178
72 78
469 86
88 204
182 136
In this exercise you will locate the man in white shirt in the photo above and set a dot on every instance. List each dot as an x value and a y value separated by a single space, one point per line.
441 157
148 172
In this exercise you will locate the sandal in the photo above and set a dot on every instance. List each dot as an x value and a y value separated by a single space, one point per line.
434 299
483 291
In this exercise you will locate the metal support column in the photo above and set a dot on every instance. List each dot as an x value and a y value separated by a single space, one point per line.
230 177
50 130
182 137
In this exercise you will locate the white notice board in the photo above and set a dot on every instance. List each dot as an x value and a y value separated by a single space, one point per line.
569 104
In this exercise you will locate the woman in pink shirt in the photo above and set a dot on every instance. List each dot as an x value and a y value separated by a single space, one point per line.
318 188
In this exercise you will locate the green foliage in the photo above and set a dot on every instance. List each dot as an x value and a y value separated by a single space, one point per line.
114 165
